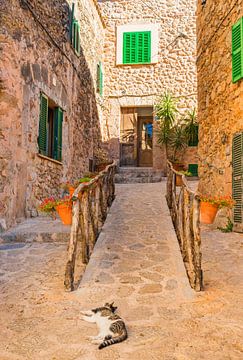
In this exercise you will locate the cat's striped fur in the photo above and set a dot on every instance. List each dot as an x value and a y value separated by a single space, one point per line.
112 329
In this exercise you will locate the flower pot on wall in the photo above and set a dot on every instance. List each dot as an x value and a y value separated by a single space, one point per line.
179 181
65 213
208 212
71 190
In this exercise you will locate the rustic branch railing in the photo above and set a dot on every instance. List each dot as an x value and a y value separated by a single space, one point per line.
90 206
185 212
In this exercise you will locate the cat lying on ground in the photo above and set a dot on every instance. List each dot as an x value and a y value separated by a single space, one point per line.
112 329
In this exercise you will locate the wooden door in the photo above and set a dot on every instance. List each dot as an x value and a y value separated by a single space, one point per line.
128 137
145 141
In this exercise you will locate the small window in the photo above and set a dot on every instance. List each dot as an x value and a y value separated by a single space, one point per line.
137 47
50 129
237 51
100 79
193 138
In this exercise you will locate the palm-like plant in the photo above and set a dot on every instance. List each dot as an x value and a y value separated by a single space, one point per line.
178 139
166 111
191 126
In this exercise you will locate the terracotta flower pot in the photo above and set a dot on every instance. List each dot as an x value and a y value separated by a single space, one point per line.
208 212
179 181
65 213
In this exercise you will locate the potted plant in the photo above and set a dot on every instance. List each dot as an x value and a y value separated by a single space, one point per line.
209 207
191 127
178 141
179 181
64 210
48 206
62 206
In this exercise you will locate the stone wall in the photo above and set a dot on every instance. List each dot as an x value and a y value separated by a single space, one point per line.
140 85
220 107
36 56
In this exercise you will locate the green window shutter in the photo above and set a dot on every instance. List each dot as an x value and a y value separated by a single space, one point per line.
193 169
237 50
237 180
100 79
137 47
71 22
57 144
42 138
77 47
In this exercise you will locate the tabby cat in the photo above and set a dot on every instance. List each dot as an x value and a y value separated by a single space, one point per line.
112 329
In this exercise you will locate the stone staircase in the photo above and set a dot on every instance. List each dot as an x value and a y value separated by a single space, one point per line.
133 175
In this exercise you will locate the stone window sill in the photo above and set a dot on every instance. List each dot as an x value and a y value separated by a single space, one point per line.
50 159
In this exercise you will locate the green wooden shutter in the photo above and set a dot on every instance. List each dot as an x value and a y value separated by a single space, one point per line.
238 177
57 144
71 22
137 47
193 169
42 138
237 50
100 79
76 36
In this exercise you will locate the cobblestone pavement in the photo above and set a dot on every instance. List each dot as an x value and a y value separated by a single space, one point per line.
137 264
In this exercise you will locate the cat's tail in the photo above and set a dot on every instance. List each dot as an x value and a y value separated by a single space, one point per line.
114 340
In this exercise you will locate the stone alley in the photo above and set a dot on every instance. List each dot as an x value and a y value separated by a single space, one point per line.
137 264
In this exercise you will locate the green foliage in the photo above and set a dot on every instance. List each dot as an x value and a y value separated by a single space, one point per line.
178 140
166 111
191 126
228 228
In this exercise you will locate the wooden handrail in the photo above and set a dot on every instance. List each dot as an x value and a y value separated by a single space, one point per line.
185 213
90 206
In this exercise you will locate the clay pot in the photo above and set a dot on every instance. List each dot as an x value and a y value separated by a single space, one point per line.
179 181
208 212
65 213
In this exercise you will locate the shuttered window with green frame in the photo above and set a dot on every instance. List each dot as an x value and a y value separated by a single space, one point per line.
137 47
50 130
43 118
237 51
238 177
100 79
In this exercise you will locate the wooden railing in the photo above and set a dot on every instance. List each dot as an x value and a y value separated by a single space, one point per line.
90 206
184 205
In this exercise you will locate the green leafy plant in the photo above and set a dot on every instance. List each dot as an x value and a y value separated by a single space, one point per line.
191 126
228 228
178 140
166 111
220 201
186 173
48 206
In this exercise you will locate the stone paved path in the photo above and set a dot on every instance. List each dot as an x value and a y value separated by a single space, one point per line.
137 264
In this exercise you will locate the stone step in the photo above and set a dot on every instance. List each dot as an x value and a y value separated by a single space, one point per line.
39 229
132 175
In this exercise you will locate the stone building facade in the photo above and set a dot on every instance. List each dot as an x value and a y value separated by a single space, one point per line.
220 100
41 62
132 87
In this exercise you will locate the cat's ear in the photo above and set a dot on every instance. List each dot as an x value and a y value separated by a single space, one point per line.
113 308
94 310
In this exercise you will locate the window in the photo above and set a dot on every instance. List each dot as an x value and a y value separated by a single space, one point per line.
50 129
237 51
193 137
100 79
137 47
137 44
238 177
